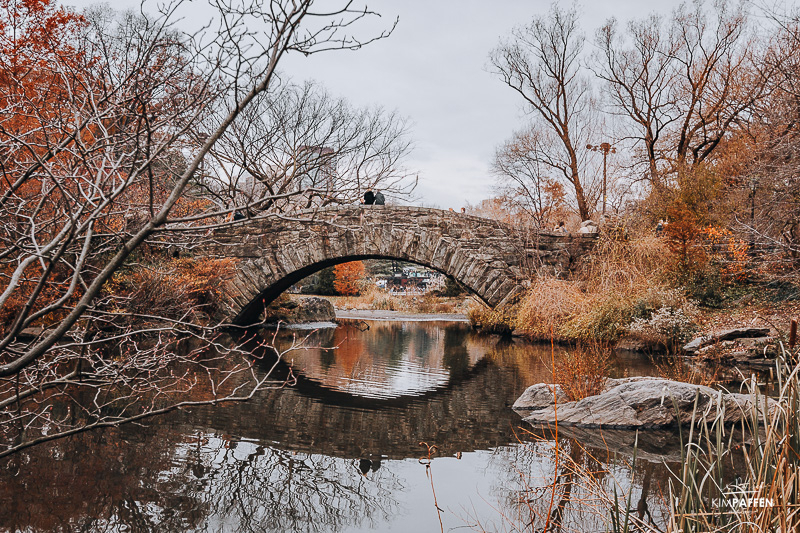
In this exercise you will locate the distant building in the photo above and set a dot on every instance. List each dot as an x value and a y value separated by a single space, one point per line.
417 279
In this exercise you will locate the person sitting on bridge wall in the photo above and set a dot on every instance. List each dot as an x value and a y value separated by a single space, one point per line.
369 198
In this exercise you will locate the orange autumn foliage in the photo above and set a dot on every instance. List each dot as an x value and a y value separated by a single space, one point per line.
729 251
349 277
40 74
176 289
34 36
57 128
683 236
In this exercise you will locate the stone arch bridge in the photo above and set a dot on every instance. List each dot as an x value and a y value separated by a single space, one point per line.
490 258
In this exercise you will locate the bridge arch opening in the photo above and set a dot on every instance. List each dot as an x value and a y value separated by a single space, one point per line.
252 311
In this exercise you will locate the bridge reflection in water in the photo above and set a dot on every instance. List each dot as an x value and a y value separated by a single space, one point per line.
378 393
338 452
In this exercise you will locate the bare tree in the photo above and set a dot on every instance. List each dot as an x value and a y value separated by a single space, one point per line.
99 114
768 163
525 178
542 63
641 82
297 147
685 85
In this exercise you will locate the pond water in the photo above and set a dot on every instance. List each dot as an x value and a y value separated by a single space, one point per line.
341 450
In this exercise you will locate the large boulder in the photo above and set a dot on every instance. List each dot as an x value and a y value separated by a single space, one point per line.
301 311
314 309
639 403
540 396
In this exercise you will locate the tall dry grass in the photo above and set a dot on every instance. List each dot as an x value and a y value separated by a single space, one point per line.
374 298
762 496
725 487
742 479
619 281
500 320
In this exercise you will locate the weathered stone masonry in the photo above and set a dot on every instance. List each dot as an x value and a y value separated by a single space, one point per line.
490 258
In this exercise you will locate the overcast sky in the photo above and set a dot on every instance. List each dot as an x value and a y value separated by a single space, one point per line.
434 71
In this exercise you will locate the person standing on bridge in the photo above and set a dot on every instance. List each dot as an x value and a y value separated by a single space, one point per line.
369 198
379 199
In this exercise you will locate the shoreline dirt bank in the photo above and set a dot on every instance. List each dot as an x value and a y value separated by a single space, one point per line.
370 314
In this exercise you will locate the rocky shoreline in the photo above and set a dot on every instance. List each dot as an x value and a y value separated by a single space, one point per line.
746 346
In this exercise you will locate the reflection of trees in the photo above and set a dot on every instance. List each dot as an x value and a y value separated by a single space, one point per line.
96 482
385 360
147 479
251 487
571 488
471 414
391 339
156 478
533 360
456 357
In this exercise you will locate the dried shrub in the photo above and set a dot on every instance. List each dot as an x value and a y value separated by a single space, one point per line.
667 326
498 321
582 371
431 303
383 301
374 298
625 266
621 281
604 318
175 289
547 305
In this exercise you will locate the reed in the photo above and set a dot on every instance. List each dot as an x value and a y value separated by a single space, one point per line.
722 486
763 495
731 479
